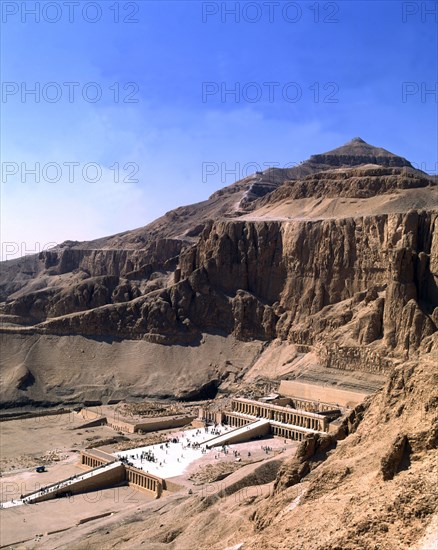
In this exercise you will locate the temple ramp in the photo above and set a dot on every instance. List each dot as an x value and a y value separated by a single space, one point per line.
244 433
101 477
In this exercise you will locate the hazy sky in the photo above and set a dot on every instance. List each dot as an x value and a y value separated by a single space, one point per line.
139 107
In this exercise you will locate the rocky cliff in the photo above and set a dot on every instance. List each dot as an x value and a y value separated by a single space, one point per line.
293 280
360 290
374 478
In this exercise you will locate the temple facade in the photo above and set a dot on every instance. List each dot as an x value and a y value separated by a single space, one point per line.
292 420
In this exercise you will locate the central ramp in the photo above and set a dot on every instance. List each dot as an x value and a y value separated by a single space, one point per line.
98 478
244 433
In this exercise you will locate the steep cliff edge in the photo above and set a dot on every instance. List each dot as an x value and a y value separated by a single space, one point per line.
270 279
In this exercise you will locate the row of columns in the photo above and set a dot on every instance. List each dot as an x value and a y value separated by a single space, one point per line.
143 480
297 419
133 476
206 415
289 433
236 421
91 462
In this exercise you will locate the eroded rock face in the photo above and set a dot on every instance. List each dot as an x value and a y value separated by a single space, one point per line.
83 263
285 274
299 281
360 182
386 464
392 461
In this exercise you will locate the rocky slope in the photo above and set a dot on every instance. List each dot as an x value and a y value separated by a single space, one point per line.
375 479
263 259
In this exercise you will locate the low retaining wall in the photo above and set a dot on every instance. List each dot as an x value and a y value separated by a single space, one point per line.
4 417
150 425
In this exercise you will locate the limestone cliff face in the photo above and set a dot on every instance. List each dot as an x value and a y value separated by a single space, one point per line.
305 282
281 276
364 181
95 278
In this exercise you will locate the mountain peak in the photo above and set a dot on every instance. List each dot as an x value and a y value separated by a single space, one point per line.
357 151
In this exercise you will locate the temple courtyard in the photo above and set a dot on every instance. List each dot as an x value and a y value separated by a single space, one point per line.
108 460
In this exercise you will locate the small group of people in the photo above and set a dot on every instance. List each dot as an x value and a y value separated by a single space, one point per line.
149 456
214 430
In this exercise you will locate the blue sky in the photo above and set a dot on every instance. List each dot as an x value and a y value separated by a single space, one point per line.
308 76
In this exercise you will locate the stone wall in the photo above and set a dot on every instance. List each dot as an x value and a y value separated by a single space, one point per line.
343 398
149 425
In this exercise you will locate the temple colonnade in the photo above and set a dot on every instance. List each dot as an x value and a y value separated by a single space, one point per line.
133 475
287 415
91 461
144 480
